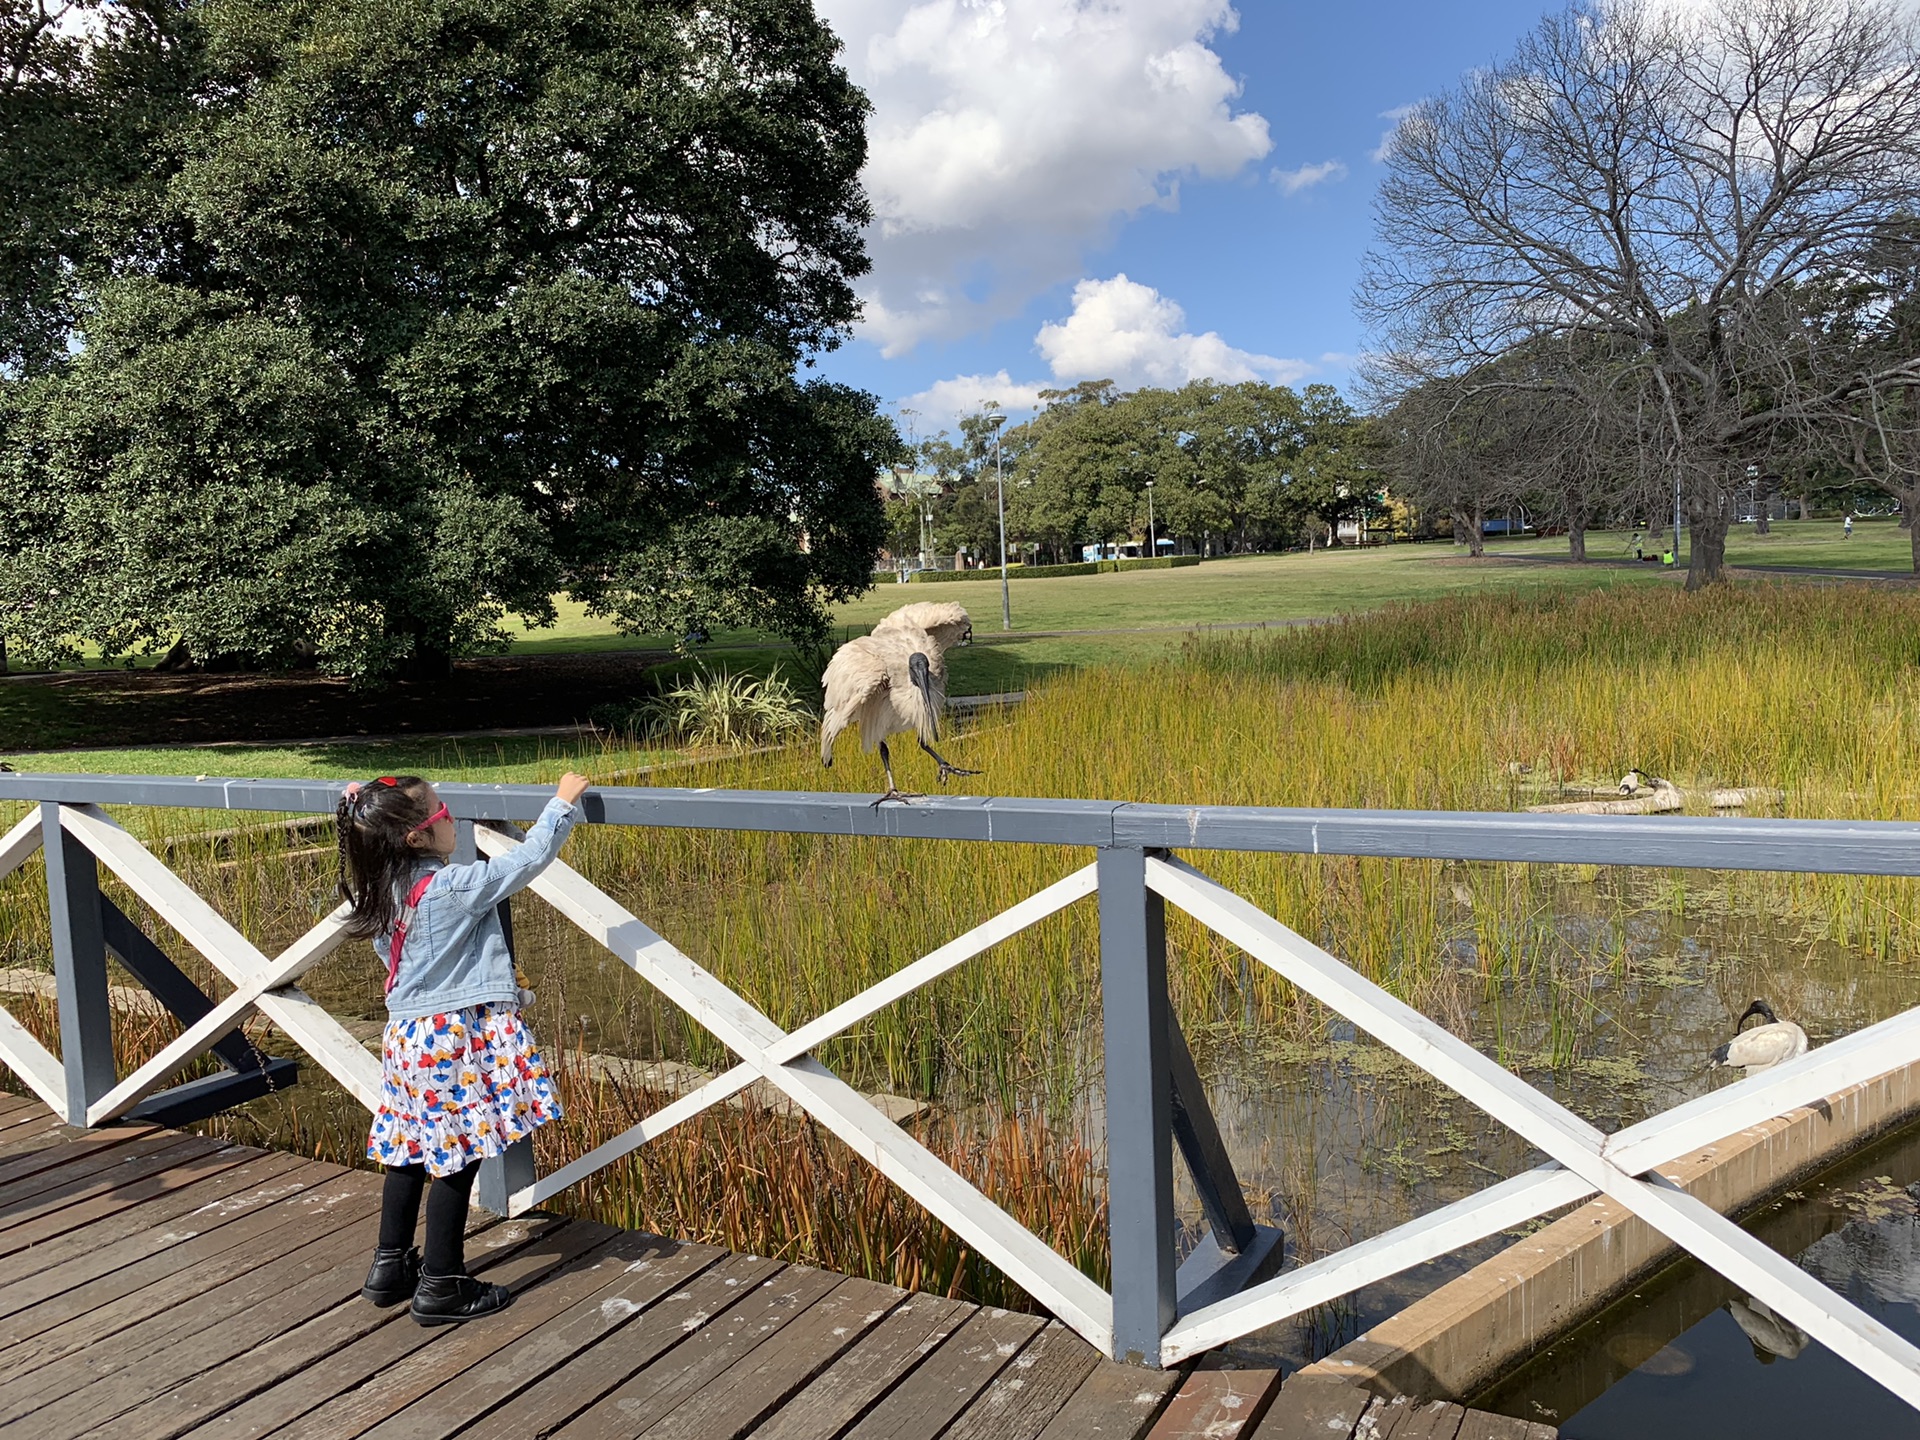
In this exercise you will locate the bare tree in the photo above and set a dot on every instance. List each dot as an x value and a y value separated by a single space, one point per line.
1644 198
1872 434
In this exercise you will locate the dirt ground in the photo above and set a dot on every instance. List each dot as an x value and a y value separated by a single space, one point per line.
119 707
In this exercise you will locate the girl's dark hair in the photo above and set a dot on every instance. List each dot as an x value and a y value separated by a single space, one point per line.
375 859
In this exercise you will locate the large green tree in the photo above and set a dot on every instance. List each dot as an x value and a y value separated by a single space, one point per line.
409 313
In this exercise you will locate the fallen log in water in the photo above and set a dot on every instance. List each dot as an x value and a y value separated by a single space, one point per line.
1664 800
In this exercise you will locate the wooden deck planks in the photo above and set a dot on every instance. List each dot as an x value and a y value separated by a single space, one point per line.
573 1386
946 1382
35 1132
303 1369
191 1301
1114 1402
777 1367
249 1310
393 1387
97 1175
170 1286
100 1310
1482 1425
621 1281
1021 1401
1220 1400
848 1387
1314 1407
713 1348
64 1258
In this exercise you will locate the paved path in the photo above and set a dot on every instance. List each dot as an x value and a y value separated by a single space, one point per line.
160 1284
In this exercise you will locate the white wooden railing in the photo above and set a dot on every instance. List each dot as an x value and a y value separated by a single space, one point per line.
1160 1311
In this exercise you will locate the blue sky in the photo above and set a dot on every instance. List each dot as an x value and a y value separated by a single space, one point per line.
1027 154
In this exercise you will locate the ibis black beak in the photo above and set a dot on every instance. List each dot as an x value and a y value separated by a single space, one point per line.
1760 1008
918 672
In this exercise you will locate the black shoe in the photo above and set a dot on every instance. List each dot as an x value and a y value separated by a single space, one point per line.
393 1277
449 1299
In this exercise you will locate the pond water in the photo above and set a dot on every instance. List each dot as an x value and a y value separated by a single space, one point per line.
1688 1355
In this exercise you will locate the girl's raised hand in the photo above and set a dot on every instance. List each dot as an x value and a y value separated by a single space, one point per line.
572 787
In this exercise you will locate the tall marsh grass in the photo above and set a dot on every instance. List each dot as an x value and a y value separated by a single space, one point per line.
1480 703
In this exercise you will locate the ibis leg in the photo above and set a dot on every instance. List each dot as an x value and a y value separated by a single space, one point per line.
946 769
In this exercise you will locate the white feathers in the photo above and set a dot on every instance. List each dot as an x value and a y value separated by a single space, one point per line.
1762 1047
874 683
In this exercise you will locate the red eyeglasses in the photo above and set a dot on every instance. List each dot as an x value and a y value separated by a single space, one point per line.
441 814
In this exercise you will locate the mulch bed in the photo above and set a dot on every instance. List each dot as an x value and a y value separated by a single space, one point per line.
124 708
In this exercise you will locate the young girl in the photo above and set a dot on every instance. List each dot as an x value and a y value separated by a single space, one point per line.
461 1080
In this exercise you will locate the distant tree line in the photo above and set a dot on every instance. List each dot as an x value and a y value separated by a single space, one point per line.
336 333
1237 467
1658 248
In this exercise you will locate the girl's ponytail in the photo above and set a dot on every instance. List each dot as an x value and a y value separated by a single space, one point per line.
343 824
376 861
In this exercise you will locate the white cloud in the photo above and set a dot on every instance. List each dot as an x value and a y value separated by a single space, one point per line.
1119 330
1305 177
1131 333
1010 137
945 401
1396 115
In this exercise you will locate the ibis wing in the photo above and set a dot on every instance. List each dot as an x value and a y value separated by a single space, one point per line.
856 678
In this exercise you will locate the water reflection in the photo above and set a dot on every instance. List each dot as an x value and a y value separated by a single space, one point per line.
1688 1355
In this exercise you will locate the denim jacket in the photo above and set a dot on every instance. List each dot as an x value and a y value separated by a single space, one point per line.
455 953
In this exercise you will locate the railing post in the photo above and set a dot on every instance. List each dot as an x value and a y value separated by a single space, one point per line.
513 1170
79 965
1140 1214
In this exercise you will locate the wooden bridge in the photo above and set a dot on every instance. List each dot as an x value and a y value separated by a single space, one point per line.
159 1284
194 1331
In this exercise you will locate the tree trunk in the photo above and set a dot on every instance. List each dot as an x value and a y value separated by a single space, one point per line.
1763 512
1467 527
1708 514
1802 502
1577 536
1907 502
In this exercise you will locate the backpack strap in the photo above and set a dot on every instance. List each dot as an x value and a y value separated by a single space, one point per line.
400 927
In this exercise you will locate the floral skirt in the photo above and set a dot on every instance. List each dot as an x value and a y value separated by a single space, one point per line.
458 1087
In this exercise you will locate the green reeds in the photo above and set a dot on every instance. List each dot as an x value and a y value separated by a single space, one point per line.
1483 702
757 1179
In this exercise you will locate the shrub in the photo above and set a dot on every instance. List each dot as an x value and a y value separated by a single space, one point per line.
706 709
1014 572
1164 562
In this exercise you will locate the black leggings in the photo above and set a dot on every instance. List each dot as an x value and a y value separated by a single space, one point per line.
444 1252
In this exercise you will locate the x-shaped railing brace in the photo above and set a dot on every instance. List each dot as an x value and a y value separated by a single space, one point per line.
259 983
1622 1166
766 1051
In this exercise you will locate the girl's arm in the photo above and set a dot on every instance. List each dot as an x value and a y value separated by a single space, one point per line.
486 883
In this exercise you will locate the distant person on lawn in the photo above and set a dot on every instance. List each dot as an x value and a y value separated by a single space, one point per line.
461 1079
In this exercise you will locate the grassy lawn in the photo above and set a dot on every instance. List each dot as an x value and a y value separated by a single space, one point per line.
526 759
1256 588
1102 621
1242 590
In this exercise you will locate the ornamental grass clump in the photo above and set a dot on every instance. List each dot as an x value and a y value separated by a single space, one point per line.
722 711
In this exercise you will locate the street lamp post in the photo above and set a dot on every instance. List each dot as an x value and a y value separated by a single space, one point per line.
1000 506
1153 544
